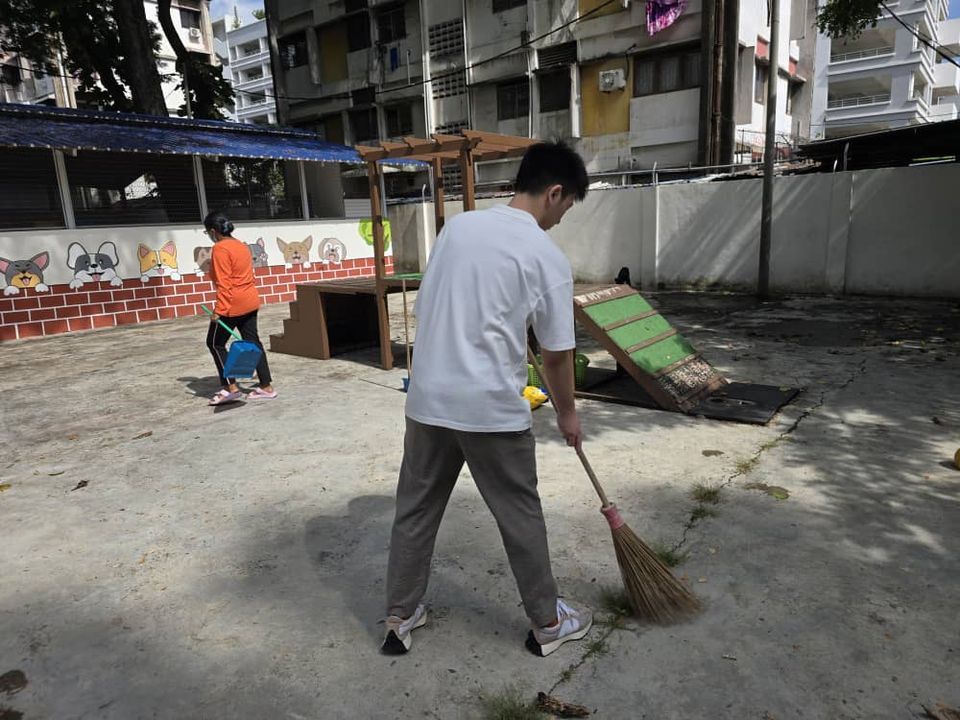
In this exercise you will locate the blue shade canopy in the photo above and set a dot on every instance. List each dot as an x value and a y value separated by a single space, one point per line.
39 126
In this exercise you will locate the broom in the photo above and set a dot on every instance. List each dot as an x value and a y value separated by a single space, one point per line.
654 593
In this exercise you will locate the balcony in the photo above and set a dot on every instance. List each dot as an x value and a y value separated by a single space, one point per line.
858 101
861 54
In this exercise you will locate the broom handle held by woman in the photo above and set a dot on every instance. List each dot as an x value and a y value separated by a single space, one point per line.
234 333
580 454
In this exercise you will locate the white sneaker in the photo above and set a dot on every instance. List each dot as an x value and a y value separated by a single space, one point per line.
397 639
573 624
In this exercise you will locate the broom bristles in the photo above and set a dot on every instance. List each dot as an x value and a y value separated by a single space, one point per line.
654 593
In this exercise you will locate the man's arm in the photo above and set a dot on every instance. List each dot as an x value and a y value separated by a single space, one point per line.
558 367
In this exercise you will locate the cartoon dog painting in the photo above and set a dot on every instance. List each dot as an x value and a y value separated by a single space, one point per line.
259 252
296 253
100 266
201 256
23 274
158 263
332 251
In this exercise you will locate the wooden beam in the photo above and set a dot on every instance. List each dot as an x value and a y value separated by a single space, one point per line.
498 139
467 167
418 145
369 154
451 142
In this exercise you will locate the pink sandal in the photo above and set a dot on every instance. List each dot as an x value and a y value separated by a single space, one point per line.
259 393
225 396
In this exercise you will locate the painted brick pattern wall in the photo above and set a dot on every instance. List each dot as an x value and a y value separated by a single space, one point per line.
100 305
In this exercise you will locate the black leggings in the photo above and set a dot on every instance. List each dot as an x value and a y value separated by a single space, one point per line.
217 342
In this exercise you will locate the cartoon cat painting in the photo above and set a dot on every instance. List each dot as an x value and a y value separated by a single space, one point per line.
23 274
201 257
158 263
296 253
332 251
259 252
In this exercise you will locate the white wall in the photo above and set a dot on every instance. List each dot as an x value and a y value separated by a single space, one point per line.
22 245
888 232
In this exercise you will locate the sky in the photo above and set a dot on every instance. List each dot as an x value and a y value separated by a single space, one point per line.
954 8
219 8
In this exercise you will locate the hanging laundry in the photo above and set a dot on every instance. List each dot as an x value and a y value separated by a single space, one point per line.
661 14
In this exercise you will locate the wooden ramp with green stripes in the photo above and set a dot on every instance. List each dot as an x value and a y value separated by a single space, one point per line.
645 345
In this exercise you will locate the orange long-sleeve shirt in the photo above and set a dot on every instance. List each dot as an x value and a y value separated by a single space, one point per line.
231 269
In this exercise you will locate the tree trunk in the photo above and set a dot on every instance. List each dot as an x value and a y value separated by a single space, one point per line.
141 63
184 61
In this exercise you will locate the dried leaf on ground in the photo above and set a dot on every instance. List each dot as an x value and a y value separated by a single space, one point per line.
55 474
81 484
5 486
12 682
942 712
143 435
550 704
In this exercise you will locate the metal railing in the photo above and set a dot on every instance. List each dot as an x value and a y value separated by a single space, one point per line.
858 101
860 54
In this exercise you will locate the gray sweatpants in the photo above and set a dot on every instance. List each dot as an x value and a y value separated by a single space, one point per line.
504 467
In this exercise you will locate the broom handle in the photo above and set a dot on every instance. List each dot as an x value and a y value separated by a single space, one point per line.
236 335
580 454
406 325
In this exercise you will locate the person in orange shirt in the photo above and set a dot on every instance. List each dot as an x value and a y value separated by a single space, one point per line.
237 304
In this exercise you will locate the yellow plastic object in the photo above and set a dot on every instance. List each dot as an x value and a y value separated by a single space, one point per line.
535 396
956 459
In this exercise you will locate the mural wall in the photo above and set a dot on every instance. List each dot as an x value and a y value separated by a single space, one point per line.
70 280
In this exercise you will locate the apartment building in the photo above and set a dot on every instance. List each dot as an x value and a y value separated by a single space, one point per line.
251 74
24 83
888 77
588 71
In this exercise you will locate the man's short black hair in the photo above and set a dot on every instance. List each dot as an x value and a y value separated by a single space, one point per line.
552 163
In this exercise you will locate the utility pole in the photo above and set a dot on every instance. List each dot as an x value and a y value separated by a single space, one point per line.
769 150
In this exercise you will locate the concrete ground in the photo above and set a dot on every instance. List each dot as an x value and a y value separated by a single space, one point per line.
163 560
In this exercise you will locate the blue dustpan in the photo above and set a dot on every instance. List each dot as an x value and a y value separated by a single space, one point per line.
242 356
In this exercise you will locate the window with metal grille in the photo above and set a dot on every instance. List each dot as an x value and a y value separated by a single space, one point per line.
449 85
501 5
189 18
451 128
452 177
392 24
666 72
399 120
293 50
565 54
113 188
249 189
29 195
513 99
760 84
363 124
554 90
363 96
446 38
358 31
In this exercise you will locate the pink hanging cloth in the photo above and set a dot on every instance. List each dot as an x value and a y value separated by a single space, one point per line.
661 14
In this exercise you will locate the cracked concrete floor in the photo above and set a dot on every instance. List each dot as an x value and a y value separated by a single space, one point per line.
230 564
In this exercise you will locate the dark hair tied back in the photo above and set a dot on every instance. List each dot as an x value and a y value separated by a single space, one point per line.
219 222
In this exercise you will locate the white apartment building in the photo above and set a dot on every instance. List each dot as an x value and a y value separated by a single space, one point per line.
887 77
251 75
587 71
23 84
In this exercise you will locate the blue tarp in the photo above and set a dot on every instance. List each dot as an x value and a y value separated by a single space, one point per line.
37 126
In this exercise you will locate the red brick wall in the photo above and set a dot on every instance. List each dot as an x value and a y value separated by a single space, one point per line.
99 305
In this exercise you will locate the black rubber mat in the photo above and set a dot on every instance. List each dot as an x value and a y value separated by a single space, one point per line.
740 402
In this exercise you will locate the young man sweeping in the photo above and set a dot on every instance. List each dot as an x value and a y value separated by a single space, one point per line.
492 274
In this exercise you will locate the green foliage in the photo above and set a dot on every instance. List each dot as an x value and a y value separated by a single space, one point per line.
509 705
837 18
259 14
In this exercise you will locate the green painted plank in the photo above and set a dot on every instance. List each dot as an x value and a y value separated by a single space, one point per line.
666 352
620 309
636 332
405 276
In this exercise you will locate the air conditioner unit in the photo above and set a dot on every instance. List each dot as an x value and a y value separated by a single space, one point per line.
611 80
195 34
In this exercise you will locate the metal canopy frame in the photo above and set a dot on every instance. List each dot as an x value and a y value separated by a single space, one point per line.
466 149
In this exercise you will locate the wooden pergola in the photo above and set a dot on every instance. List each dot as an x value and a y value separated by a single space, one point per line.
466 150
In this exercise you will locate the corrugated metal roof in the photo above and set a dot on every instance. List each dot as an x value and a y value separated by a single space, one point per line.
40 126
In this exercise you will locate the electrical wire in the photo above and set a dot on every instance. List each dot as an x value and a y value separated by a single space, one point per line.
935 46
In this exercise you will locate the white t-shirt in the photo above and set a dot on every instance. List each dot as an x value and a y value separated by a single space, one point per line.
492 274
